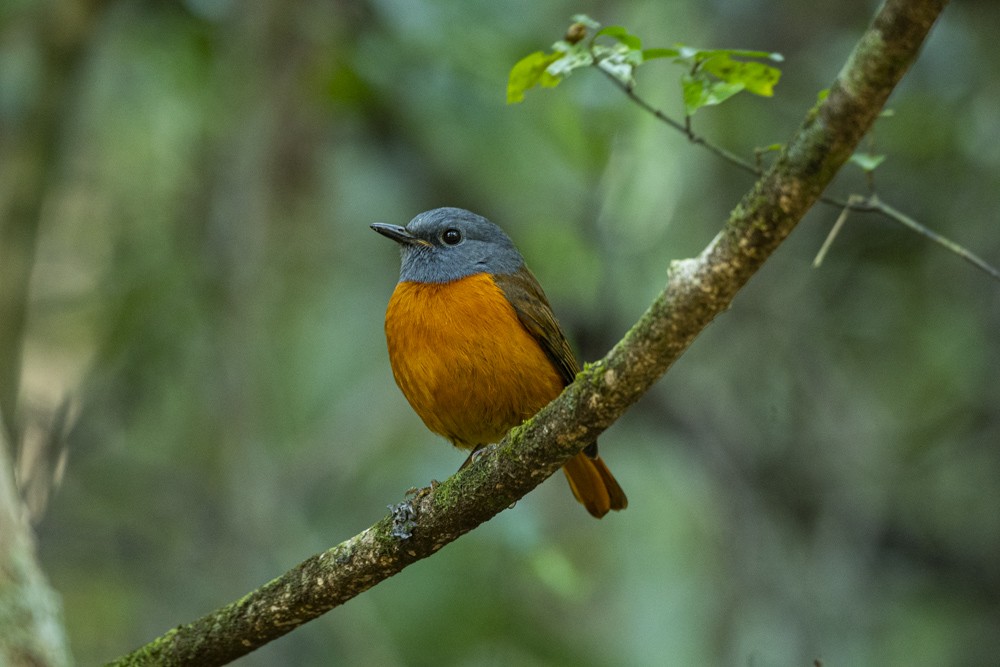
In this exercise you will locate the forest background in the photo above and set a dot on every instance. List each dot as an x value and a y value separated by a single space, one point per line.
818 477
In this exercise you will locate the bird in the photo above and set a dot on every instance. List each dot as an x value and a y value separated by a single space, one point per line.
474 345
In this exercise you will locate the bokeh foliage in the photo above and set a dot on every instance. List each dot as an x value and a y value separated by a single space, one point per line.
818 477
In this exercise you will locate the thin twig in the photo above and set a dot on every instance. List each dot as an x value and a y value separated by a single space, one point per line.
834 231
683 128
877 205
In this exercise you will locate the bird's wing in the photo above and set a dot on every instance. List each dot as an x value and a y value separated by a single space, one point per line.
533 310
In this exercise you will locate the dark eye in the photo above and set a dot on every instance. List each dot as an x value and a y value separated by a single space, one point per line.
451 236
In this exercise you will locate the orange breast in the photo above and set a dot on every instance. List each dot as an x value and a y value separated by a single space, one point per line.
463 360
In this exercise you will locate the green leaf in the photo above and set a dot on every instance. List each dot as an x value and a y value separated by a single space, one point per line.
755 77
764 55
695 55
622 35
694 92
700 91
620 64
867 161
569 57
651 54
531 71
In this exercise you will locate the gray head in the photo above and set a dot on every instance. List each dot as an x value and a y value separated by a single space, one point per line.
446 244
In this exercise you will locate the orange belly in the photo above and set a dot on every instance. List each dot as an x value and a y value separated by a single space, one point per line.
463 360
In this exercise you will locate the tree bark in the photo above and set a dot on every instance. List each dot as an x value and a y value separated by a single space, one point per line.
31 630
697 290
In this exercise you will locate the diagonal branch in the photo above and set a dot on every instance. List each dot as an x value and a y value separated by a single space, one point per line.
697 290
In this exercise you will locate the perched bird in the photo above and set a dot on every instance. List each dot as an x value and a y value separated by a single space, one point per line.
473 343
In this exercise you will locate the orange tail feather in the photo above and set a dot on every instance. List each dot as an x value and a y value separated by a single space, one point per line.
593 485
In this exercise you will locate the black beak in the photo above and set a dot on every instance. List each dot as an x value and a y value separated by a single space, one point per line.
397 234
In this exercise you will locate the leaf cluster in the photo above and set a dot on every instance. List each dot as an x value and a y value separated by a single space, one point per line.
710 76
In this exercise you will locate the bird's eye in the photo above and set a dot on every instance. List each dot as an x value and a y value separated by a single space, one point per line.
451 236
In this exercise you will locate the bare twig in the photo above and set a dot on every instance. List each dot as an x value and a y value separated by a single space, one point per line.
684 128
873 204
834 231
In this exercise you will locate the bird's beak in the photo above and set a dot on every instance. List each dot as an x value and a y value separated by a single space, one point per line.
397 234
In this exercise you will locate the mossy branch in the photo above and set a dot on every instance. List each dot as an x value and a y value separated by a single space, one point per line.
697 290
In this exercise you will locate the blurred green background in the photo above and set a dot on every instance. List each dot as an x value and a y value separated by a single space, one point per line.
818 477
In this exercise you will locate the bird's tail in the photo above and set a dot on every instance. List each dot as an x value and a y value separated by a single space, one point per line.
594 485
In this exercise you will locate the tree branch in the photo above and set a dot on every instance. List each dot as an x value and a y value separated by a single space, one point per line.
697 290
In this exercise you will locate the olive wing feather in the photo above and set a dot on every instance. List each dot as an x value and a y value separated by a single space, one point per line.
535 314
